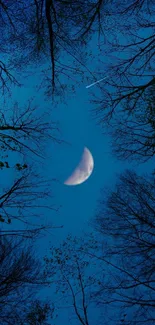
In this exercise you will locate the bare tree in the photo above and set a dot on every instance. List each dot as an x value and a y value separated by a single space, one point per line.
60 18
116 264
26 200
75 280
127 227
39 314
9 19
26 130
42 30
6 77
134 135
21 277
130 58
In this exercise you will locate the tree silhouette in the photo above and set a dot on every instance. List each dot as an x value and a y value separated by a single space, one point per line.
21 278
74 279
111 269
127 227
43 30
134 135
39 314
6 77
25 130
128 47
26 200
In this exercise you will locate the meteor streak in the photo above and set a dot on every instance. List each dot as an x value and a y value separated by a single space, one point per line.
94 83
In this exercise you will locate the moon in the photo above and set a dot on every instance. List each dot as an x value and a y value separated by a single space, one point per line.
83 171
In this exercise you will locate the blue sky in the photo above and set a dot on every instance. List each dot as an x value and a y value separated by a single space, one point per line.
78 203
79 129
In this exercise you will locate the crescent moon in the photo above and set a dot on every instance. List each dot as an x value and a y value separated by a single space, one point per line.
83 171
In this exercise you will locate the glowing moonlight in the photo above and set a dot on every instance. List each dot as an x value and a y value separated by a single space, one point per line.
83 171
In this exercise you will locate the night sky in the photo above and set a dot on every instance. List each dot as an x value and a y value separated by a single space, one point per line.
78 127
77 205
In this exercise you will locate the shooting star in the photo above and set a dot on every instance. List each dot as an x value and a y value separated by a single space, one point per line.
94 83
